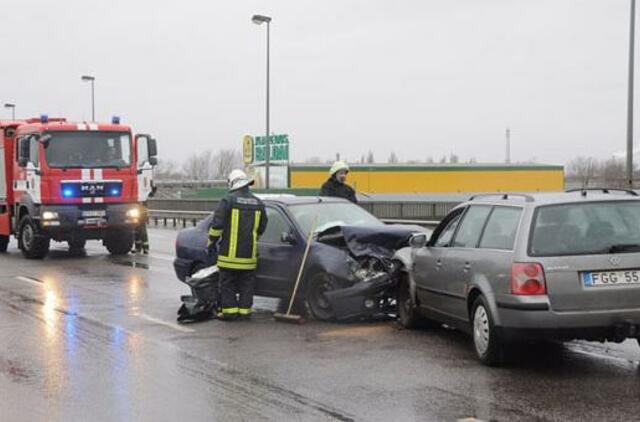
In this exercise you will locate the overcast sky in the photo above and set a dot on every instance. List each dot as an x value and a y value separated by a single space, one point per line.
422 78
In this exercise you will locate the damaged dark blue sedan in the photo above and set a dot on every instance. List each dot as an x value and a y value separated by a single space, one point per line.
349 271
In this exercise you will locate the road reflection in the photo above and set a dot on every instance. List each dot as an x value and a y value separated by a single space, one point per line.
136 285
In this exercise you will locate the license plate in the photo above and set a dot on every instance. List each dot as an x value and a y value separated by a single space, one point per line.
93 221
94 213
610 278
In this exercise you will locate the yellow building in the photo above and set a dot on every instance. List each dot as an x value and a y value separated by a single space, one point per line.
432 178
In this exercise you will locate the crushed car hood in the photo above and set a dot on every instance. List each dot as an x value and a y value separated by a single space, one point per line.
376 241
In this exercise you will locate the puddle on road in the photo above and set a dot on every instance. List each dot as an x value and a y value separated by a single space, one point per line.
132 264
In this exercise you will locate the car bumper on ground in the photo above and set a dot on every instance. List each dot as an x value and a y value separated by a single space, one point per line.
182 267
363 298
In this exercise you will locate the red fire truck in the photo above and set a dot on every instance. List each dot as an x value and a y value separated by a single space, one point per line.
70 182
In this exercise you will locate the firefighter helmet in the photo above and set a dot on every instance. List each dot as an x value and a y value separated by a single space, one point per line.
337 166
238 179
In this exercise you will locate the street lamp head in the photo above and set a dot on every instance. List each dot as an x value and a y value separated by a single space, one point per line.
9 105
87 78
260 19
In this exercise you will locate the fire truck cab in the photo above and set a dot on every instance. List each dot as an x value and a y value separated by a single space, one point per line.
71 182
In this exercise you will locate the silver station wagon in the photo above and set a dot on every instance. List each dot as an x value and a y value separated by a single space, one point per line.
514 267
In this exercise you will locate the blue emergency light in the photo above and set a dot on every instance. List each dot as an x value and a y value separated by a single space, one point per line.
67 193
44 118
115 192
115 120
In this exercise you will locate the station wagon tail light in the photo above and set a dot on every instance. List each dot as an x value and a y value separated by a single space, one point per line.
527 279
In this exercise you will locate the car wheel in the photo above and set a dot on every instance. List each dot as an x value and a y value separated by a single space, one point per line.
317 302
486 340
4 243
407 313
33 244
118 242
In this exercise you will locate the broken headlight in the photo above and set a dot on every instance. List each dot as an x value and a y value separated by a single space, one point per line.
361 273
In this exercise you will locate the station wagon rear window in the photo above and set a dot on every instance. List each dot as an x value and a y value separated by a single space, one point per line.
586 228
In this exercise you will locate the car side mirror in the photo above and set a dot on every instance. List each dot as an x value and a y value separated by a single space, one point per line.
287 237
153 161
418 240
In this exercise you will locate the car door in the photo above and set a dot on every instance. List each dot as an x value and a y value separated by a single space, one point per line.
462 259
430 264
277 258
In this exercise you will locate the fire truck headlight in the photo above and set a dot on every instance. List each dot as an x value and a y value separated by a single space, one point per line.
133 213
49 215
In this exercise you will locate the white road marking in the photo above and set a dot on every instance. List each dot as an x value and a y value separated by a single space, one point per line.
30 280
162 256
605 356
165 323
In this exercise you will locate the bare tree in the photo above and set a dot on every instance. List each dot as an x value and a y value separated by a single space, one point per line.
453 158
199 166
167 170
370 158
583 170
393 158
614 173
224 161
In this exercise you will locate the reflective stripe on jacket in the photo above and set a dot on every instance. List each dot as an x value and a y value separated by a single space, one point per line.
238 222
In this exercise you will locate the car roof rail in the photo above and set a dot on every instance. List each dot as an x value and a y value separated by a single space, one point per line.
504 196
583 191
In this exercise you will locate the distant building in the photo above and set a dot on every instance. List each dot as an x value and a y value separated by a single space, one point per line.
436 178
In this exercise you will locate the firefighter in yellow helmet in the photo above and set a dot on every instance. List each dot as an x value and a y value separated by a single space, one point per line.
237 223
336 184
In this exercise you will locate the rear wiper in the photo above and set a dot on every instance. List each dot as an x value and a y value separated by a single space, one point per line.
623 247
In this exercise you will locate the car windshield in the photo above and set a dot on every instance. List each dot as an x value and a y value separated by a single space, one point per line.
586 228
327 214
88 149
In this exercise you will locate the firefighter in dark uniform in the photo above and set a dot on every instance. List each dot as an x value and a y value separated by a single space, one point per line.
141 235
336 184
237 223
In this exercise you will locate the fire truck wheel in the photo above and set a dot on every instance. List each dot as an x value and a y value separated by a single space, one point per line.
34 245
4 242
119 243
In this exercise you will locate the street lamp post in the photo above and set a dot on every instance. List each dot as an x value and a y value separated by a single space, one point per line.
259 20
87 78
630 97
13 109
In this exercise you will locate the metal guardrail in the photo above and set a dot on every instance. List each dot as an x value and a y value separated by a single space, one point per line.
396 210
175 218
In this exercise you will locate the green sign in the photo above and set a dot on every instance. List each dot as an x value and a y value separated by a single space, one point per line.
279 145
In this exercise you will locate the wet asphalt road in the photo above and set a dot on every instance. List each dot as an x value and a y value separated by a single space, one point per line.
94 338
